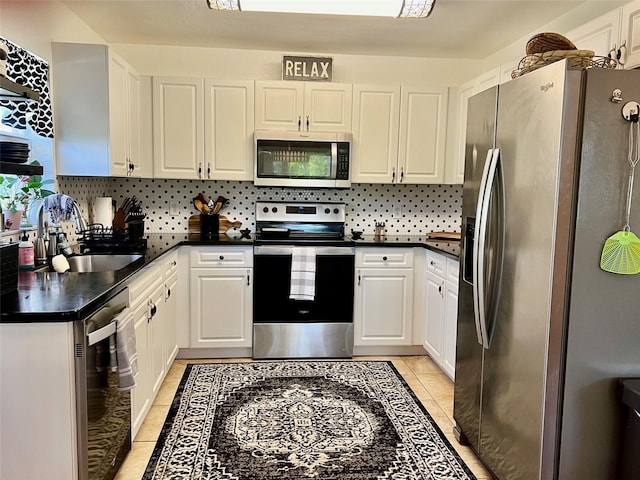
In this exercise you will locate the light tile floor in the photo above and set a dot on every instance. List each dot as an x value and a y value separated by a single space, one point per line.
431 386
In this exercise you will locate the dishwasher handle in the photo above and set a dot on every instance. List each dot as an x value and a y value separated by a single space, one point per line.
102 333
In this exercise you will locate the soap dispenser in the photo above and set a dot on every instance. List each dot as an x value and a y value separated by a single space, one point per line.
25 253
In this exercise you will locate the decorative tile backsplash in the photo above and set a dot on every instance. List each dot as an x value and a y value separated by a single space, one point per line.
422 208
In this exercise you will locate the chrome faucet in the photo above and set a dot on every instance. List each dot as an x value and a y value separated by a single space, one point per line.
81 225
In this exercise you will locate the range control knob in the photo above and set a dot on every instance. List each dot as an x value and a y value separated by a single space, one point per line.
336 211
274 209
326 210
265 209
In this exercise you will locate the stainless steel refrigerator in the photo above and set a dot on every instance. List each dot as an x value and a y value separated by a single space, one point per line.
544 334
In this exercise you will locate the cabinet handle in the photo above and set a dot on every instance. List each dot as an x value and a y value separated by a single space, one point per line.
221 257
209 171
133 166
248 277
384 259
433 264
200 170
299 122
393 175
307 123
401 174
358 277
440 290
621 59
168 293
174 263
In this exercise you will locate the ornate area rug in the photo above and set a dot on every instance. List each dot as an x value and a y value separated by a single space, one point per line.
329 420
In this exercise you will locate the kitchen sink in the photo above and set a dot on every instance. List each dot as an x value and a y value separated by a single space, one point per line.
100 263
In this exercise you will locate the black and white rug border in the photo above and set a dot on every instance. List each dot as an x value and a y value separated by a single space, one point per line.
263 365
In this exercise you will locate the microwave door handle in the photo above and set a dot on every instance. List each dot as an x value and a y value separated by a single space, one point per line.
334 160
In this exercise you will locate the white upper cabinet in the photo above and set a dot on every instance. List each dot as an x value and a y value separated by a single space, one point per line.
455 161
423 120
616 33
229 120
178 127
398 134
97 106
303 106
602 35
376 125
630 34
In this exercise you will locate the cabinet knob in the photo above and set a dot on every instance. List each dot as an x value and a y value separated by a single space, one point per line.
221 257
168 292
174 263
384 259
433 264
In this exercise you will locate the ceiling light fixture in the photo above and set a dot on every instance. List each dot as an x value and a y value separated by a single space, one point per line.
377 8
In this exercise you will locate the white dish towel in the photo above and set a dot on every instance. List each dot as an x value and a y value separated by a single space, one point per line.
303 274
126 352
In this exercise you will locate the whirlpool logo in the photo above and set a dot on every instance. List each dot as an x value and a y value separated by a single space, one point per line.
546 87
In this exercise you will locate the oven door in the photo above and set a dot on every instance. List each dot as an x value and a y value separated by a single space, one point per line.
286 328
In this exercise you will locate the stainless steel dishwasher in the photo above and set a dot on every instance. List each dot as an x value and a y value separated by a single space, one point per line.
103 412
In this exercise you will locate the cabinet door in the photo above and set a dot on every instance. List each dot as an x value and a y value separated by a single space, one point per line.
455 171
221 307
171 312
376 120
631 34
229 124
600 35
119 115
134 131
487 80
383 306
141 394
178 127
157 338
434 317
450 328
327 107
423 122
279 105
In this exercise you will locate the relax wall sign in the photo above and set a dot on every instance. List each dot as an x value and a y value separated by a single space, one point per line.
319 69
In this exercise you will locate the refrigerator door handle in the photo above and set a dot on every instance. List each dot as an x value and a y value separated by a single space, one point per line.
482 237
478 270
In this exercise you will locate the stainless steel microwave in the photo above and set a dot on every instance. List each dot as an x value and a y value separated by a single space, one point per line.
302 159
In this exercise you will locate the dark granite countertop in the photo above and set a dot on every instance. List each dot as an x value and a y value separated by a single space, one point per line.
62 297
445 247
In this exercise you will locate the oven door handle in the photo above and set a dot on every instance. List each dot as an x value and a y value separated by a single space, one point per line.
288 250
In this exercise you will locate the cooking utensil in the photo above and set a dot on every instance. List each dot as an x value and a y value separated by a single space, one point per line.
621 251
200 206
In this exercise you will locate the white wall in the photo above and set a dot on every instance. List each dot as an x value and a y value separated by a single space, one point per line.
266 65
33 25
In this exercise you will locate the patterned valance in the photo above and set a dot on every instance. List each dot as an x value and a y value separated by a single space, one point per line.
27 69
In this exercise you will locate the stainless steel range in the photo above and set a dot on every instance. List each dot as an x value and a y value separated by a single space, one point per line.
303 281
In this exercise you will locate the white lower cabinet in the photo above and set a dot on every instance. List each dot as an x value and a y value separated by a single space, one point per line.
221 293
383 303
153 294
441 311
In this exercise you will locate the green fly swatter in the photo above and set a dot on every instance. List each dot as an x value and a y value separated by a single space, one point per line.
621 251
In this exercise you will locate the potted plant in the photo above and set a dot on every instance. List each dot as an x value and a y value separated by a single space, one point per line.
17 194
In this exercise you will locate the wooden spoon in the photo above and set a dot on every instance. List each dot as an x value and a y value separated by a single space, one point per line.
201 207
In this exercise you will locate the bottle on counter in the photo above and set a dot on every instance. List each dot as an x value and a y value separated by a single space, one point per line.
25 253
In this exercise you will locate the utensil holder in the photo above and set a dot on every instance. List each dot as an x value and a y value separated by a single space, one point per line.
136 229
209 225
